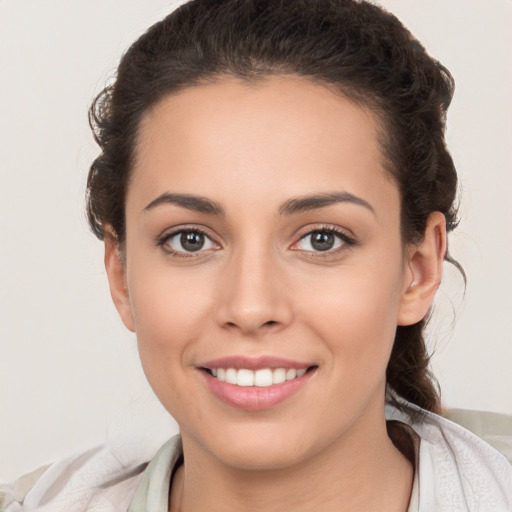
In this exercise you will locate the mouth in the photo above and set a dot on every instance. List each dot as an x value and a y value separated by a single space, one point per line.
255 384
262 378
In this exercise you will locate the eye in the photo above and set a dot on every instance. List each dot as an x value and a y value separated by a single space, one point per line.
323 240
187 241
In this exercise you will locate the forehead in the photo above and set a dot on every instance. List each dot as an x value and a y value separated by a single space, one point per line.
281 135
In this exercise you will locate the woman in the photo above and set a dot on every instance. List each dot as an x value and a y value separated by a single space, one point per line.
274 194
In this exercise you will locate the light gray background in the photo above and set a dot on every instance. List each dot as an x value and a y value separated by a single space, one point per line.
69 372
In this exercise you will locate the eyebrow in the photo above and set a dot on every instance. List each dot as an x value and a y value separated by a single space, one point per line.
313 202
189 201
289 207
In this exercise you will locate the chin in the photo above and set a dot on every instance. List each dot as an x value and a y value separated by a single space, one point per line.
259 455
253 446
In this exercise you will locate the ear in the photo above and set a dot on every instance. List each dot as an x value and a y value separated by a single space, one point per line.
117 278
425 266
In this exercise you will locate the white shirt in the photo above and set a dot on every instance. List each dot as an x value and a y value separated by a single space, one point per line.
455 471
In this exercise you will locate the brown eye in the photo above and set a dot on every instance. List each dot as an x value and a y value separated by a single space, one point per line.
322 240
192 241
188 241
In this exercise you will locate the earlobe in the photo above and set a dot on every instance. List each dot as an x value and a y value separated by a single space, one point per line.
117 279
425 265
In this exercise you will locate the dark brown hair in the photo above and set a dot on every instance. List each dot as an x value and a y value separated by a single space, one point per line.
353 47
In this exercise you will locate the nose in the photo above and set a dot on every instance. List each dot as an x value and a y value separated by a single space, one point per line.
252 294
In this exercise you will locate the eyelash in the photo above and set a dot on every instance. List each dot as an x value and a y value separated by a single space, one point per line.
162 241
347 241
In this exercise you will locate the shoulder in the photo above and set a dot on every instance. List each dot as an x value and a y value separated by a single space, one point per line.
494 428
459 471
97 480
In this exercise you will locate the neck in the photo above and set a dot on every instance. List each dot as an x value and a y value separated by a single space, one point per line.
360 472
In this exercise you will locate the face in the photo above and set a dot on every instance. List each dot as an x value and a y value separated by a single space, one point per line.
265 273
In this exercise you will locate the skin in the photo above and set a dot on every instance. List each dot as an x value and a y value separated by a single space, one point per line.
259 288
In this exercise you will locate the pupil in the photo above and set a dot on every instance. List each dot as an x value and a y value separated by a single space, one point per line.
192 241
322 241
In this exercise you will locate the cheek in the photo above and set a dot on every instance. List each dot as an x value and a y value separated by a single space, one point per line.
169 315
355 313
169 311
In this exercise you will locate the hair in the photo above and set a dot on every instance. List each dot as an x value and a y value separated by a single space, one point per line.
353 47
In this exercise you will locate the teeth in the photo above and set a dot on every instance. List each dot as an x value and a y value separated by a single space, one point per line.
278 376
245 378
231 376
261 378
291 374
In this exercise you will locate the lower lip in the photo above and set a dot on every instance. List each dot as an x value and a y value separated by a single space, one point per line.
254 398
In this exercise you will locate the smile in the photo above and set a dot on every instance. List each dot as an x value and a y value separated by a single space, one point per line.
261 378
260 387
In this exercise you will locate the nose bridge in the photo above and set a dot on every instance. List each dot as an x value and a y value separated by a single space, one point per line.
253 295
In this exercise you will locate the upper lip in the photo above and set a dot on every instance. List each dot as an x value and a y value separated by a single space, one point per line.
254 363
